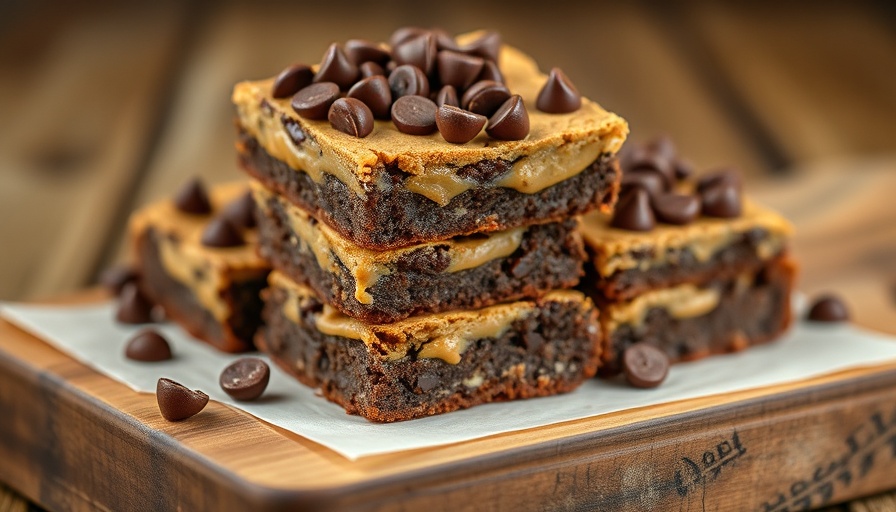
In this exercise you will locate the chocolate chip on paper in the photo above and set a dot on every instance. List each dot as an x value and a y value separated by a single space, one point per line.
148 346
245 379
828 308
133 306
644 365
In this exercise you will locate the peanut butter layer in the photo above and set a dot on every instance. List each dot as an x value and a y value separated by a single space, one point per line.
206 271
442 336
558 146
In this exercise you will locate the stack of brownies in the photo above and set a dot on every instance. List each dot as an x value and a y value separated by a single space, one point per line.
413 275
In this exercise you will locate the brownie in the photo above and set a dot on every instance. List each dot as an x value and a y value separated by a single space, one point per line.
385 286
212 292
435 363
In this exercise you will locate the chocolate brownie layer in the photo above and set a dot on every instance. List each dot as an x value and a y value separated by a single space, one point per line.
545 347
392 285
389 215
690 322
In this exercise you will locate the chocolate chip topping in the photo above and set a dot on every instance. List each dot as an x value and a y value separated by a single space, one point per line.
559 95
245 379
653 183
360 51
447 96
828 308
292 80
351 116
115 277
414 115
313 102
133 306
488 46
444 41
336 67
644 365
721 200
374 92
485 97
511 121
177 402
458 69
221 233
673 208
404 33
647 161
683 168
148 346
490 71
371 69
192 198
633 212
727 175
458 126
241 211
419 51
408 80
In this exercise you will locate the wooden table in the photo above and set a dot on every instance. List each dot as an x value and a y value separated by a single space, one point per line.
107 106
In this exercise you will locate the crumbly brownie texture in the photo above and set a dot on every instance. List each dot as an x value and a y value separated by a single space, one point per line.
691 322
386 286
410 369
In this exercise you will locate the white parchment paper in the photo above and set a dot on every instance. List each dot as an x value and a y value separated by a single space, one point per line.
90 335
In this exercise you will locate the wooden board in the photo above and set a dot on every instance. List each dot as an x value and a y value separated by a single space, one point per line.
73 439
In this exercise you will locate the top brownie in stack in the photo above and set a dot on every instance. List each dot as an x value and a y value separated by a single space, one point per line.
387 189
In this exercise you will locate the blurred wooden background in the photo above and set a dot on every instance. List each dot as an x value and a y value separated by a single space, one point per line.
108 105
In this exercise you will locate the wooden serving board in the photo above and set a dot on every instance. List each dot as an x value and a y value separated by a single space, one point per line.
73 439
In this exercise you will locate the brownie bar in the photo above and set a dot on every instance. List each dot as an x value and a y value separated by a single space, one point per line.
387 286
432 363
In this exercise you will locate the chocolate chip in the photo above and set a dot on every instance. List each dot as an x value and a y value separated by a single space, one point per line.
192 198
683 168
245 379
485 97
371 69
404 33
644 365
558 95
427 382
487 46
336 67
444 41
408 80
447 96
133 306
457 125
646 160
221 233
292 80
351 116
721 200
414 115
828 308
511 121
728 175
313 102
295 132
490 71
148 346
663 146
374 92
458 69
360 51
177 402
652 182
419 51
633 213
115 277
673 208
241 211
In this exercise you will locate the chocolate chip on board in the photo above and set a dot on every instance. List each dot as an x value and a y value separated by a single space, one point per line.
414 115
148 346
828 308
133 306
245 379
177 402
351 116
644 365
313 102
558 95
457 125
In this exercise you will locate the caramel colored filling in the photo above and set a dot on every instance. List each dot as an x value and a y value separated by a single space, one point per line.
683 301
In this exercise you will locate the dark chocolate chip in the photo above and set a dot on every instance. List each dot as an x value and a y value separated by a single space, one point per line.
447 96
313 102
336 67
419 51
351 116
633 212
374 92
485 97
292 80
444 41
511 121
371 69
115 277
727 175
295 132
148 346
192 198
404 33
646 160
245 379
487 46
408 80
490 71
683 168
414 115
241 211
673 208
133 306
220 232
360 51
457 125
654 183
458 69
177 402
721 200
663 145
427 382
828 308
644 365
558 95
